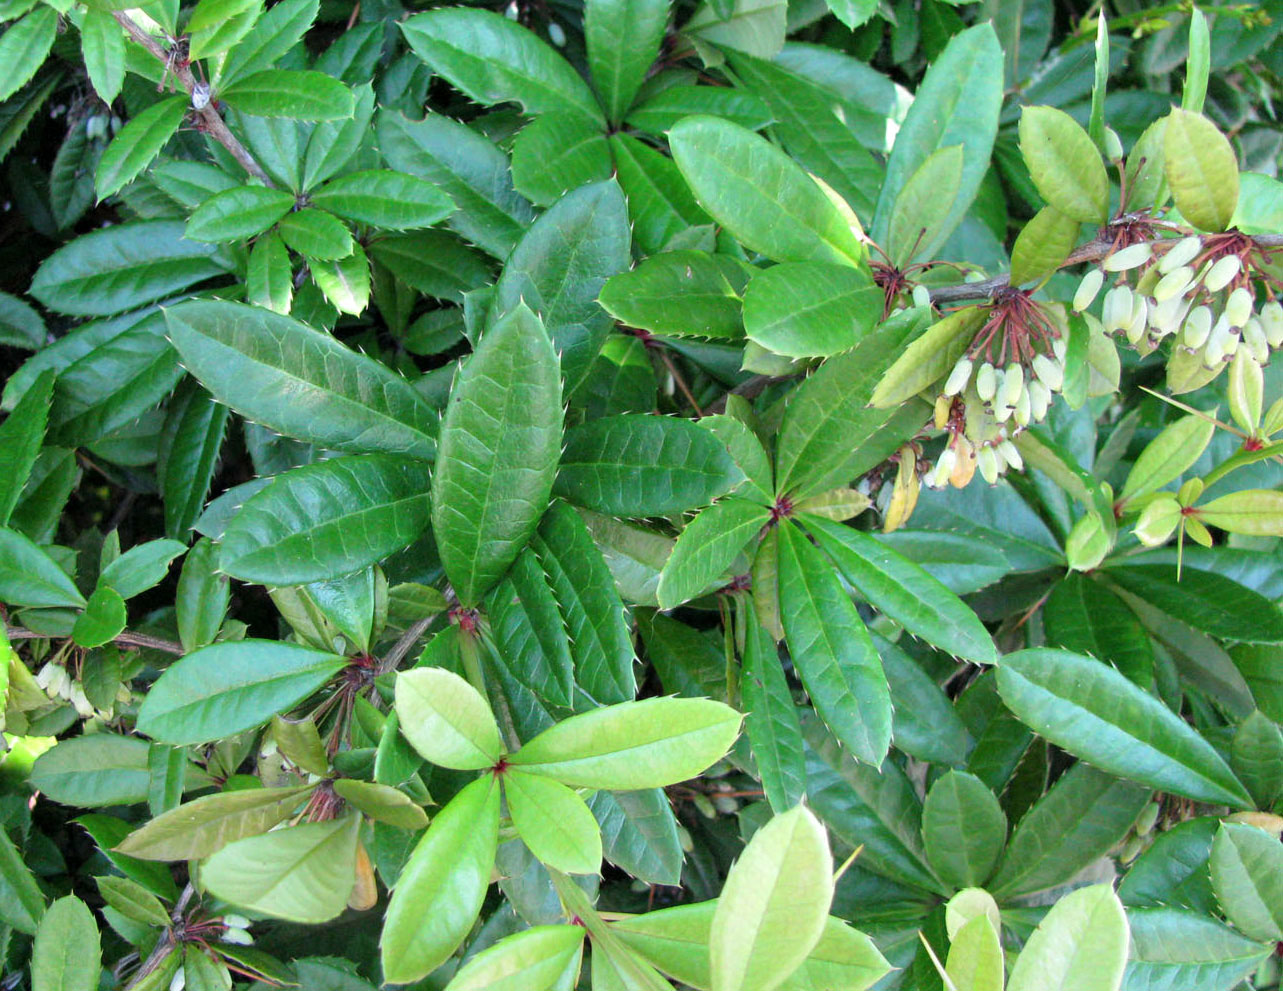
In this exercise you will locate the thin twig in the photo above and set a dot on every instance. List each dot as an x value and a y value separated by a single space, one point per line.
210 119
402 647
126 639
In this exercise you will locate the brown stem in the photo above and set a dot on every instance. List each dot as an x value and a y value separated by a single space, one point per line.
211 122
125 639
402 647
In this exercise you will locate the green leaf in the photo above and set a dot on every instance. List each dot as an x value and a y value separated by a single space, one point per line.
93 771
554 823
104 617
808 310
924 203
924 723
600 640
439 893
278 30
20 325
123 267
760 195
707 547
204 826
559 267
771 718
632 745
957 103
237 214
1080 945
558 152
1064 164
132 900
301 873
193 437
21 436
975 957
1096 714
1201 170
831 650
217 25
1252 512
1256 755
1168 456
963 829
300 381
643 465
67 953
807 121
141 567
494 60
382 803
1083 616
680 293
270 279
446 719
930 357
102 45
316 234
1172 948
904 591
774 906
753 26
21 903
328 519
535 959
1205 600
639 833
466 167
298 94
24 46
1042 246
1247 876
227 688
29 577
658 113
202 597
528 630
500 440
623 39
660 205
383 198
138 144
829 434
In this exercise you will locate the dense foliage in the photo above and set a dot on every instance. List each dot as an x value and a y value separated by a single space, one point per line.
744 494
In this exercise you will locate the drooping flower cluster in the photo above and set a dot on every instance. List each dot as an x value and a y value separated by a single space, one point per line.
1003 382
1196 290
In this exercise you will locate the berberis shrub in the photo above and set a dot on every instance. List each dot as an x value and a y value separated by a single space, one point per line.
736 495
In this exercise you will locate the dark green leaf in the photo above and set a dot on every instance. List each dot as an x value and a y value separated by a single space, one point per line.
623 39
1083 616
774 730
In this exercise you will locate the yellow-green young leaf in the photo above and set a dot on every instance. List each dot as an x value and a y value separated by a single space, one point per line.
24 46
137 144
532 960
67 954
1042 246
346 282
299 742
1201 169
707 547
760 194
975 957
649 744
301 873
924 203
132 900
1081 945
102 45
238 213
929 358
446 719
1146 168
1168 456
383 198
1247 876
316 234
1254 512
965 906
216 25
439 893
500 443
1064 164
201 827
554 823
774 906
382 803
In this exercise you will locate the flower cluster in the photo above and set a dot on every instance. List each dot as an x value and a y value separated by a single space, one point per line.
1196 290
1003 382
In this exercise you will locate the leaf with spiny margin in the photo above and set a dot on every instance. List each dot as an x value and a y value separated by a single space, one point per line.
770 717
326 520
623 39
1172 948
446 720
929 358
529 632
963 829
1247 876
500 442
680 293
707 547
831 649
554 823
199 828
138 144
1080 945
21 436
300 382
